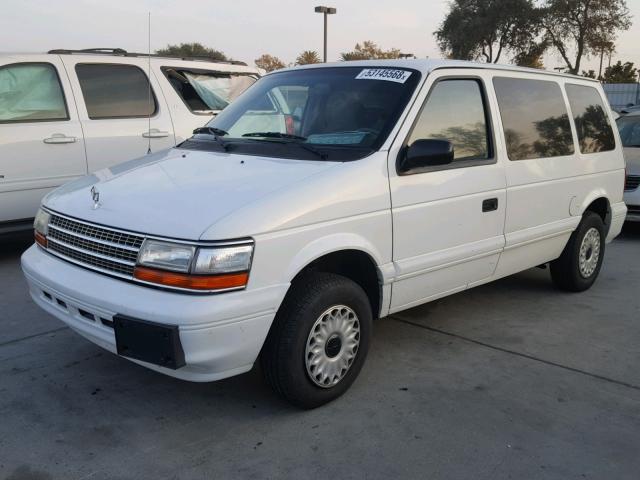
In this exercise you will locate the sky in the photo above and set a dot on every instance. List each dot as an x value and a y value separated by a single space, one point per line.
244 29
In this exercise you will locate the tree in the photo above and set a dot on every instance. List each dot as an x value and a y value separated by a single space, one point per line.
620 73
484 29
602 46
532 57
308 57
269 62
576 28
589 73
369 51
193 49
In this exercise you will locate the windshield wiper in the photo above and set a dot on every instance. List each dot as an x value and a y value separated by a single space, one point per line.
274 135
216 133
211 131
289 139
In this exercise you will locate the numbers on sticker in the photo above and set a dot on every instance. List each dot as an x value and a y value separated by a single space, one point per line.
389 74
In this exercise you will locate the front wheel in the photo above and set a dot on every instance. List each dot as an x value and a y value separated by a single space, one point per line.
581 260
319 340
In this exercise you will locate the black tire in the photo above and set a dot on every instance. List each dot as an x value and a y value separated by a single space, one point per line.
283 354
565 271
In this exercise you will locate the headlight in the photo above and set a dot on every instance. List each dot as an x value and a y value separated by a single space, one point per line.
41 227
41 222
189 267
166 256
223 260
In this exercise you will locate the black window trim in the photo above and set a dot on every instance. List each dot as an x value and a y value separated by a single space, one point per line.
460 163
573 118
222 73
64 96
156 110
566 106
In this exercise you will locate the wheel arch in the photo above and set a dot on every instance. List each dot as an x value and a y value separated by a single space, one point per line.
598 202
348 255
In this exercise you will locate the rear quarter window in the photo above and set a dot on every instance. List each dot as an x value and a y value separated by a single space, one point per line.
592 122
115 91
206 91
534 118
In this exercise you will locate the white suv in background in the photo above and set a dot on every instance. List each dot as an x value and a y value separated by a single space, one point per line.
67 113
629 128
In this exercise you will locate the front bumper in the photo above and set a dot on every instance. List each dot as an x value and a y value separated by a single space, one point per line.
221 335
632 199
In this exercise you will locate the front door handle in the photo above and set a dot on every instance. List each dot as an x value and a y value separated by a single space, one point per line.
490 204
155 133
59 138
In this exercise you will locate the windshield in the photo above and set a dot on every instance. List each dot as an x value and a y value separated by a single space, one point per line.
339 113
629 128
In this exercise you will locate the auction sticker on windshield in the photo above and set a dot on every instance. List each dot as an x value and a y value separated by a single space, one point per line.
389 74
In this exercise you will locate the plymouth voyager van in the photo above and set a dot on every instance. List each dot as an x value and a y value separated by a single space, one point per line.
279 234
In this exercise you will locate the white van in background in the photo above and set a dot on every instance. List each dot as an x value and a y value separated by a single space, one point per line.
67 113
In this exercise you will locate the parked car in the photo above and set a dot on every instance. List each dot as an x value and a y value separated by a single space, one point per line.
66 113
401 182
629 128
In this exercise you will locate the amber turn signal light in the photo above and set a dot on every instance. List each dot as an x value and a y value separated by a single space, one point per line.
191 282
40 239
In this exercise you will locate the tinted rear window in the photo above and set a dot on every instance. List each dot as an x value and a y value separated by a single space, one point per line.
115 91
592 122
534 118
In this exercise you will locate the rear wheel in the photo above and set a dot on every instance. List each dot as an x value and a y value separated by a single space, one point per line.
319 340
579 265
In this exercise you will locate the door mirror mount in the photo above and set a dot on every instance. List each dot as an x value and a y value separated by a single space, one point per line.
424 154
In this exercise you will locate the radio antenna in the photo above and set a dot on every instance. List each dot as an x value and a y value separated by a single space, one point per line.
149 82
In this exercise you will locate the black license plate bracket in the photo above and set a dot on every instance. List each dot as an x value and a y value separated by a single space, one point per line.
147 341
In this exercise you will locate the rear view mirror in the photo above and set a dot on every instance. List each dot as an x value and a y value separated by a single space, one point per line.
426 153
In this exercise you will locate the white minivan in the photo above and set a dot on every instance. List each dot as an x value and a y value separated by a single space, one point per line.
395 183
67 113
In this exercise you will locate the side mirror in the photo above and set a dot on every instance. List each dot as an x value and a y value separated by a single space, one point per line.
426 153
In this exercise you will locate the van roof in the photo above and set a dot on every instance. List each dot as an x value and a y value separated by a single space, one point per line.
426 66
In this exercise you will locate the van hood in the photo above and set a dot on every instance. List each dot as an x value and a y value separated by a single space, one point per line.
177 193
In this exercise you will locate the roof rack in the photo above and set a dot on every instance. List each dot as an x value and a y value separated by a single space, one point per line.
124 53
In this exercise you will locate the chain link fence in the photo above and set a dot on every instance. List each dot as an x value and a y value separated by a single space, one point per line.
621 95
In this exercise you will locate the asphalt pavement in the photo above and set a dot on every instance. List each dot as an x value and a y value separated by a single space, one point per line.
509 380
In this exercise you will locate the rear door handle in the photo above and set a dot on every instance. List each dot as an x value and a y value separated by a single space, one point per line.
490 204
155 133
59 138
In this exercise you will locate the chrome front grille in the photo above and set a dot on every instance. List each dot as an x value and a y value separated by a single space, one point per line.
97 233
95 247
632 182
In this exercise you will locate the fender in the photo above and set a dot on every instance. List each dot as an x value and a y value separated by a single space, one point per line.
334 243
578 209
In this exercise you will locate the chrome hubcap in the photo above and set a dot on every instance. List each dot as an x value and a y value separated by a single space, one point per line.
589 253
332 345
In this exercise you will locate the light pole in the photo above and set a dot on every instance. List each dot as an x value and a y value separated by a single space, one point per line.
326 11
